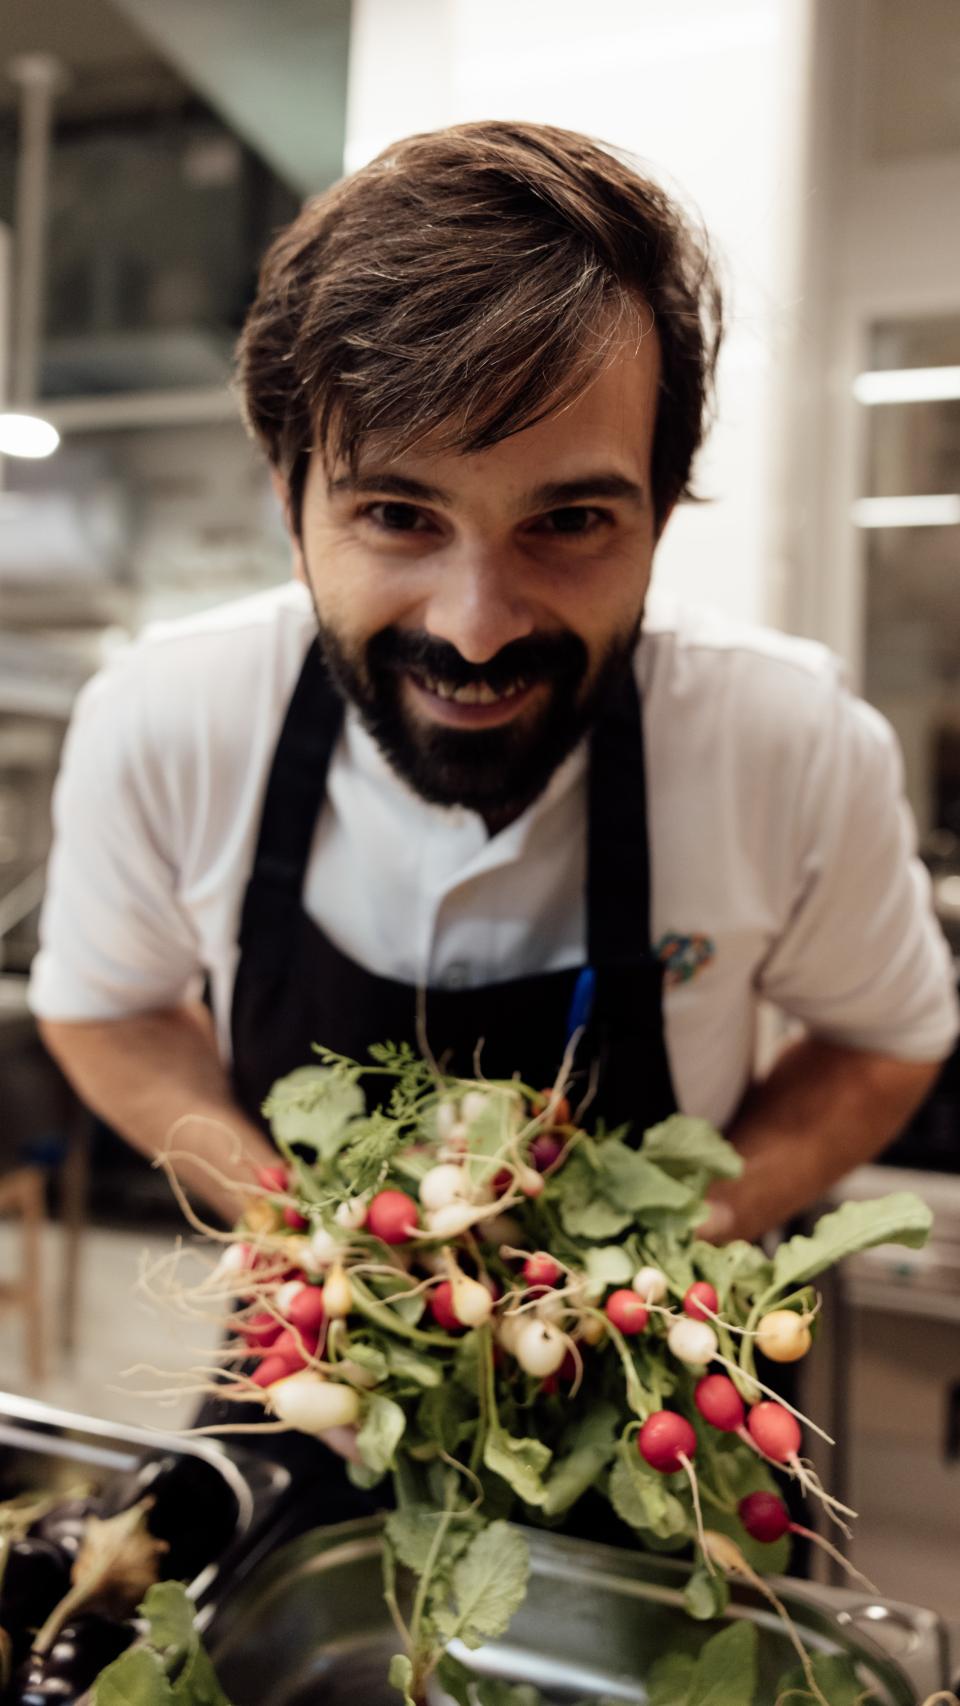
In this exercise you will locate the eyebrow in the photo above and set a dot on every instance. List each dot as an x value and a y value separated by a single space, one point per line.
554 494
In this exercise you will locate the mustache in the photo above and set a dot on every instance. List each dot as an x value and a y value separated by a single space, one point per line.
536 657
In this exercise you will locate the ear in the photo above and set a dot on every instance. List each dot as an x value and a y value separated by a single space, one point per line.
282 490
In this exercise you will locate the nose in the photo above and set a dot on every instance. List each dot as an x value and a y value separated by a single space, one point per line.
478 604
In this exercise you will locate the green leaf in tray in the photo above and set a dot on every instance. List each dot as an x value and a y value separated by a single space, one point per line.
900 1218
412 1531
171 1667
836 1676
669 1680
488 1586
683 1145
725 1673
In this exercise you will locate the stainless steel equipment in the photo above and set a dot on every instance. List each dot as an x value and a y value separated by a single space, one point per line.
888 1362
45 1449
309 1627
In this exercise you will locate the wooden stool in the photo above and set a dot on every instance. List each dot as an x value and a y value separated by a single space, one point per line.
22 1193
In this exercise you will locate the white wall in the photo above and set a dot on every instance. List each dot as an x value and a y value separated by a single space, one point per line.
713 95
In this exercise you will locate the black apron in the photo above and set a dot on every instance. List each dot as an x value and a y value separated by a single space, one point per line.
294 987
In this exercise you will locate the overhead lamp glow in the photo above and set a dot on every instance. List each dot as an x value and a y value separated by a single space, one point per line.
27 435
908 385
937 510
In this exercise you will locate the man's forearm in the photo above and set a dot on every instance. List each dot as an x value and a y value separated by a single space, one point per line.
821 1111
144 1074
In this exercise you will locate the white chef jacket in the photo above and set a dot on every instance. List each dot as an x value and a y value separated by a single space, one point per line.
782 851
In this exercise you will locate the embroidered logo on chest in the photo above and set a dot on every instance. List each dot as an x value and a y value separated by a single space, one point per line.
684 957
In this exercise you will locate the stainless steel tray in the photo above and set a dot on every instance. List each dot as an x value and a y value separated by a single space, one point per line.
309 1627
46 1449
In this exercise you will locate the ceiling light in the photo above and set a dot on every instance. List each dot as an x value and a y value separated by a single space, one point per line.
27 435
941 510
908 385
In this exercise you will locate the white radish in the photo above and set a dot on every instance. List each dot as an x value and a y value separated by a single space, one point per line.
352 1214
288 1294
784 1336
650 1284
448 1115
236 1259
508 1327
501 1229
474 1104
692 1341
337 1294
592 1329
444 1185
551 1307
540 1348
528 1180
311 1404
450 1221
472 1303
325 1247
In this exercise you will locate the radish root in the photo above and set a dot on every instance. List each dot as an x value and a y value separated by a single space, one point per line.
728 1556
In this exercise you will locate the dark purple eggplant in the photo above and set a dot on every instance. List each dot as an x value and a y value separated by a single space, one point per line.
36 1577
80 1652
64 1523
195 1510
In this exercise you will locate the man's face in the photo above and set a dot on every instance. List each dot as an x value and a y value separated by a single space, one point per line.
476 608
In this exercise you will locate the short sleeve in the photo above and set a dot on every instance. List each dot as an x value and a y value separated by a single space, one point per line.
860 959
114 940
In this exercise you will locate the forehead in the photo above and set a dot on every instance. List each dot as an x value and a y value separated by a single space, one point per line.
610 423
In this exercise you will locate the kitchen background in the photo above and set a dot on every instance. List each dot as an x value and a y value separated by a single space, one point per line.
146 155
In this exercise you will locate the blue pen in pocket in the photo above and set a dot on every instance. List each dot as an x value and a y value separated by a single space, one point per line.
581 1003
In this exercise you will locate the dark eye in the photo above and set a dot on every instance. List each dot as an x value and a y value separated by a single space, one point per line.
394 517
572 521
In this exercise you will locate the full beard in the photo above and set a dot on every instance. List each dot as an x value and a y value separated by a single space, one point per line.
496 772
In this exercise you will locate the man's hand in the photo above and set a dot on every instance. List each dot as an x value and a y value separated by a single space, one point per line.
820 1112
146 1074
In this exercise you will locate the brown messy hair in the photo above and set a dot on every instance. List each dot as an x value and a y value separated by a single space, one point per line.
464 285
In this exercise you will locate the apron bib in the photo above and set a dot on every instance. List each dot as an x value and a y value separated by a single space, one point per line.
294 987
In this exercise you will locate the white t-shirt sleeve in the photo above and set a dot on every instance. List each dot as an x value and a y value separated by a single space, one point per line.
861 960
114 941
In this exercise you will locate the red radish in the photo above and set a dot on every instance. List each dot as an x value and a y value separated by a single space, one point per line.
441 1308
700 1301
664 1439
719 1402
765 1517
545 1151
774 1430
261 1331
627 1311
393 1217
288 1346
307 1311
295 1220
568 1367
541 1269
270 1369
502 1181
272 1178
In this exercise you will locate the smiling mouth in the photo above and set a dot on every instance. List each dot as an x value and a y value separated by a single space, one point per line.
471 692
